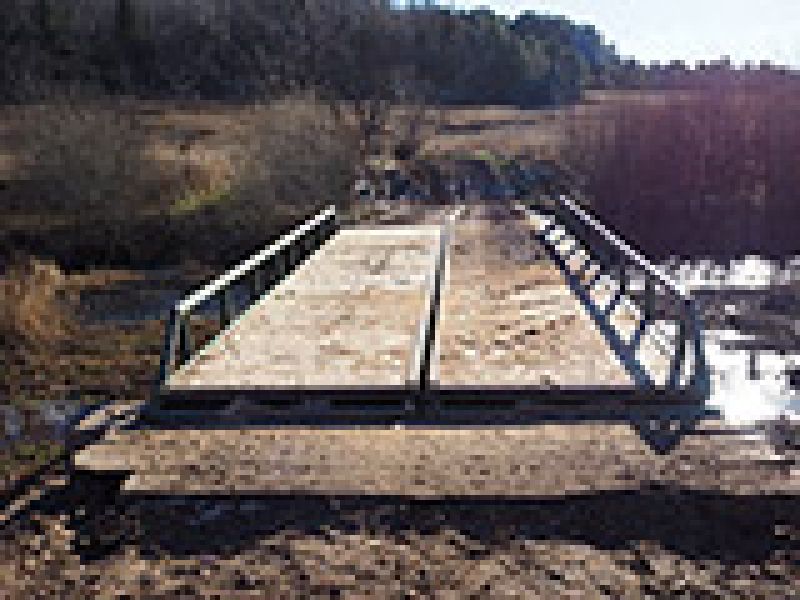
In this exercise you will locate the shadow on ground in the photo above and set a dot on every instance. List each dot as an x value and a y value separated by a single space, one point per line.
730 530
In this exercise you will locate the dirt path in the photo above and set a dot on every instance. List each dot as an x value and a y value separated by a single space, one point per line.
656 543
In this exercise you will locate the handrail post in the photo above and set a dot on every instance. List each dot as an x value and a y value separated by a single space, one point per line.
649 307
700 377
330 227
291 256
169 356
306 244
185 337
680 353
225 307
283 264
257 283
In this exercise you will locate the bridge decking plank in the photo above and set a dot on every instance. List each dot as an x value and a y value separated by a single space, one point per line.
521 461
349 316
508 317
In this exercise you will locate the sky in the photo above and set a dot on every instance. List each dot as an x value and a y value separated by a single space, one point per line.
688 30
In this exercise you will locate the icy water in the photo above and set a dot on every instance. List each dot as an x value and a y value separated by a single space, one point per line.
752 311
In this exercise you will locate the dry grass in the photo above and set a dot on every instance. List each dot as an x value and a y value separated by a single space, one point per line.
34 323
51 356
31 311
499 131
86 161
102 182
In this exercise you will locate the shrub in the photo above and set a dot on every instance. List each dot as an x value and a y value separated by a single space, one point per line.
295 158
31 309
87 179
98 193
33 321
89 162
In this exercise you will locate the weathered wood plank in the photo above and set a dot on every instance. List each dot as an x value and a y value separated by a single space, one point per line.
540 460
508 317
349 316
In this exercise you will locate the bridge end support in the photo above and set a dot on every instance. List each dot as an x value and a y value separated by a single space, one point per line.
663 431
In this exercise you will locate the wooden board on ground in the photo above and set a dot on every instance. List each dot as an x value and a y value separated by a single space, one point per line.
426 462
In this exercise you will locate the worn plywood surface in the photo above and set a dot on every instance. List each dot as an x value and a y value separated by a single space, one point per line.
508 318
535 460
349 316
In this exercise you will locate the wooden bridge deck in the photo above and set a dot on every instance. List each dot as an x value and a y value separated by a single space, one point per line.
429 314
353 319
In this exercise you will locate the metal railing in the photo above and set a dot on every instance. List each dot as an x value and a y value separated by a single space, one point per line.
262 271
663 307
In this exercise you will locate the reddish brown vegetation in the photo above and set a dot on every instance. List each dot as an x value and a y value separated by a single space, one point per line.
712 169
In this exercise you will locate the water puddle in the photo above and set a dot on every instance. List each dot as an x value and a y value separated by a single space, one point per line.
751 385
751 307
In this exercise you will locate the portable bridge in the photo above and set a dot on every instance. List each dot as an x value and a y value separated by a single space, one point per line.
533 311
347 359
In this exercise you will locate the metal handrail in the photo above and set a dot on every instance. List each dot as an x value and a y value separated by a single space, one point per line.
631 253
292 248
624 256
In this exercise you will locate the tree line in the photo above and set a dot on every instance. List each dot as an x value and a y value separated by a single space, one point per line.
239 49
